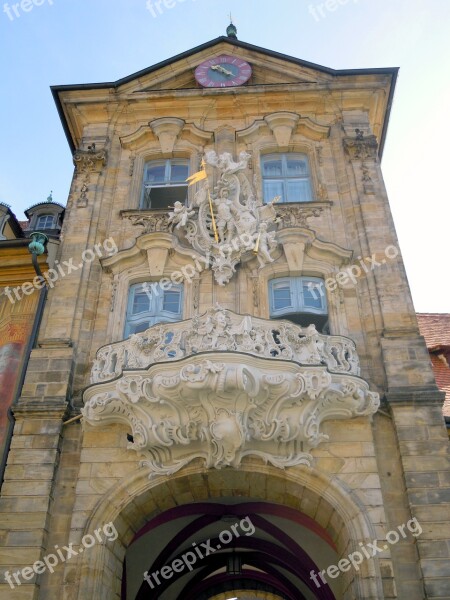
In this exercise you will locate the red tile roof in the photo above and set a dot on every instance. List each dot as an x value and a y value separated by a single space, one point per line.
442 374
435 328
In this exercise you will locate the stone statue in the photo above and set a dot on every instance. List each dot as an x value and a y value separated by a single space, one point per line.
179 216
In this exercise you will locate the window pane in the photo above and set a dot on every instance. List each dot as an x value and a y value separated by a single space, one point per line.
272 189
163 197
179 172
313 294
45 222
298 191
272 167
172 301
143 326
155 173
141 303
296 167
281 296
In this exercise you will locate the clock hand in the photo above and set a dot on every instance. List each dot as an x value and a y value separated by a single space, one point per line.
221 69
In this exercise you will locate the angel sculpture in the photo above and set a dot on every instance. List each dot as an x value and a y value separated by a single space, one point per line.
266 242
179 216
225 163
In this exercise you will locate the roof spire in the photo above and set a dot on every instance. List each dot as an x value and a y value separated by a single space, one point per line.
50 198
232 29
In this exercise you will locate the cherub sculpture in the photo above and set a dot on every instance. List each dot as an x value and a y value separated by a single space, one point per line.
179 216
266 242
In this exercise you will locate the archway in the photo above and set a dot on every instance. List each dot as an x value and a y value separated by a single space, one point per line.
195 551
136 501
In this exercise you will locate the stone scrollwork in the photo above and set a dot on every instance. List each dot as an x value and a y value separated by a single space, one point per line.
361 147
150 221
229 224
87 162
90 160
297 216
220 409
223 330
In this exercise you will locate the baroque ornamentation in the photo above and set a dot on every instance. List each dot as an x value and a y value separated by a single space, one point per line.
229 224
361 147
90 160
219 329
87 162
220 410
296 216
151 222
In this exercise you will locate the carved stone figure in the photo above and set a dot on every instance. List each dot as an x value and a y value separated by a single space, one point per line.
179 216
228 215
267 243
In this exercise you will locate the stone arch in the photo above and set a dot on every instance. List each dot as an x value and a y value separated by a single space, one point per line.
136 499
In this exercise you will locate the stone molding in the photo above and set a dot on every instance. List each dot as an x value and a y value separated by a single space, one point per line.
40 409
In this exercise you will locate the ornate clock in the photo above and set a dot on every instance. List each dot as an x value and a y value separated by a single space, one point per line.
223 71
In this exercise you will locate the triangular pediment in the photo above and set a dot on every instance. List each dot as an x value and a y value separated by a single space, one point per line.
79 104
268 68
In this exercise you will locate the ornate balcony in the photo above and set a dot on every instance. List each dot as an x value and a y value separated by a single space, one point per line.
222 386
221 330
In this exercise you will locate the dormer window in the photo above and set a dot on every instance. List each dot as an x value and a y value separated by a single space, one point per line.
164 183
45 222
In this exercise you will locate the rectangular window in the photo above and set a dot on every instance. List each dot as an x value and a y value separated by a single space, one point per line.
301 300
286 175
164 183
148 306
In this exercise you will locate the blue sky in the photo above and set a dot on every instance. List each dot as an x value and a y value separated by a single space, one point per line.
81 41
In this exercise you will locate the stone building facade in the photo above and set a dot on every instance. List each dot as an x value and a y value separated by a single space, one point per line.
244 351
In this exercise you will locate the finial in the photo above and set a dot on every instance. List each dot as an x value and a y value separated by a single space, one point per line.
50 198
232 29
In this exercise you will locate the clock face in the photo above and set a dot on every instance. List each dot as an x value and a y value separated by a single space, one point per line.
223 71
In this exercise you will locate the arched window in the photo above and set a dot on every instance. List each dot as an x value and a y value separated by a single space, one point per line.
45 222
286 175
301 300
164 183
149 304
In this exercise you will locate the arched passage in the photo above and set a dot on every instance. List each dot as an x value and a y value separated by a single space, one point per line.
194 551
136 501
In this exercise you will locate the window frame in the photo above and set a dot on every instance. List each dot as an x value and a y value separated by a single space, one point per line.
46 216
285 178
167 183
156 313
296 289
